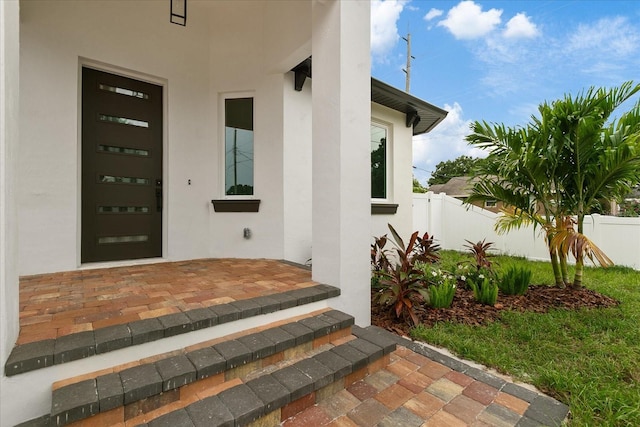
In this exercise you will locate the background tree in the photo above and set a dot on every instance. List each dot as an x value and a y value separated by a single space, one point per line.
417 187
461 166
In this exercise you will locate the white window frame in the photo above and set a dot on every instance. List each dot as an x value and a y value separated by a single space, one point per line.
389 160
490 203
222 143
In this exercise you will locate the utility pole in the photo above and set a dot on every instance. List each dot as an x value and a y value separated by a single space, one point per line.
407 70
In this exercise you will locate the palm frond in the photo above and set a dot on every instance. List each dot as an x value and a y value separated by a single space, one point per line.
568 241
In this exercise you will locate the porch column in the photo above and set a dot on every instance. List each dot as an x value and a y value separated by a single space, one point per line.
9 81
341 87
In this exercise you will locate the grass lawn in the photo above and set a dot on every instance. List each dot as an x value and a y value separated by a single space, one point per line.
588 359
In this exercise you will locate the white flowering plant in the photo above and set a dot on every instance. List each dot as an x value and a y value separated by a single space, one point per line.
467 273
441 284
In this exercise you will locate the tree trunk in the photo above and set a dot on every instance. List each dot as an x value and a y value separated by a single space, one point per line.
577 277
555 264
564 269
556 269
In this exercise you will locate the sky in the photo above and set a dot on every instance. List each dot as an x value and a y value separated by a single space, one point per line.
496 61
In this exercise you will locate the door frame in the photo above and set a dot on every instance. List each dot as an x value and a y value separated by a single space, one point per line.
159 81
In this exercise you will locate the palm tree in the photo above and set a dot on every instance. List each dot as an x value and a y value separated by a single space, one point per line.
517 173
599 159
562 164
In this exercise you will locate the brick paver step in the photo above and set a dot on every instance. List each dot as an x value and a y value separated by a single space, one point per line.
409 385
332 388
102 393
295 386
79 345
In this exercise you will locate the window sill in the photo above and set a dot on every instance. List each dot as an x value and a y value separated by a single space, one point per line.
236 205
384 208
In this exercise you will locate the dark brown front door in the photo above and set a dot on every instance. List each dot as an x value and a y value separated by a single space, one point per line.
121 168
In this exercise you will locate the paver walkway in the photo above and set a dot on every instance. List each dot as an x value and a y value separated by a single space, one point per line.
416 391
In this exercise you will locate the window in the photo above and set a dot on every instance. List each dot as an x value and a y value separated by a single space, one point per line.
378 161
238 144
490 203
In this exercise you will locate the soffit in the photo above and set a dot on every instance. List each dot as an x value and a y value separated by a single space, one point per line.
429 115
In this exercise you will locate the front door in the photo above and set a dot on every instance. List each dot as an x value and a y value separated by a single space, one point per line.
121 168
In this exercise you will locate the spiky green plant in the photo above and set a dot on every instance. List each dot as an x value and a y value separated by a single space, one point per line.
485 291
515 280
441 295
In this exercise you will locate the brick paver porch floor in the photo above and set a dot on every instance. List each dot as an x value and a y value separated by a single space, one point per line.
57 304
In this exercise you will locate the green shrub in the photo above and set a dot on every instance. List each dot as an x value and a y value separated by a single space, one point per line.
515 280
441 295
375 282
485 291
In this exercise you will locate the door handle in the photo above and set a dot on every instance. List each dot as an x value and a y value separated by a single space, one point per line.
159 200
158 195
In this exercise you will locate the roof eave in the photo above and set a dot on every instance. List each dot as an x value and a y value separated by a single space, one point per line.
430 115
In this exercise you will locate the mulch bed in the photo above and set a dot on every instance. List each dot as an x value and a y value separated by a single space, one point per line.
466 310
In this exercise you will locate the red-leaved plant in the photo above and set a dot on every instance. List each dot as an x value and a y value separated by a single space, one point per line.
400 281
480 253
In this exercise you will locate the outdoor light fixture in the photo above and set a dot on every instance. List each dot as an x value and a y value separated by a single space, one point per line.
179 12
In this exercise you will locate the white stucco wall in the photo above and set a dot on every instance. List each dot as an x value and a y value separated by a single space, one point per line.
341 131
400 189
9 108
297 172
226 47
9 138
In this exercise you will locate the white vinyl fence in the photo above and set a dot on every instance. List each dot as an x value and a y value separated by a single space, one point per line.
451 224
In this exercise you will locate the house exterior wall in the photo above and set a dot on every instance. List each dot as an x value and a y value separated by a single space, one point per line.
297 178
9 135
9 139
226 47
481 204
297 174
341 102
400 158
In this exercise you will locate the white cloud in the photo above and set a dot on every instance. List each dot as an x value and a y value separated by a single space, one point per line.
616 36
433 13
445 142
520 27
466 20
603 51
384 27
500 70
